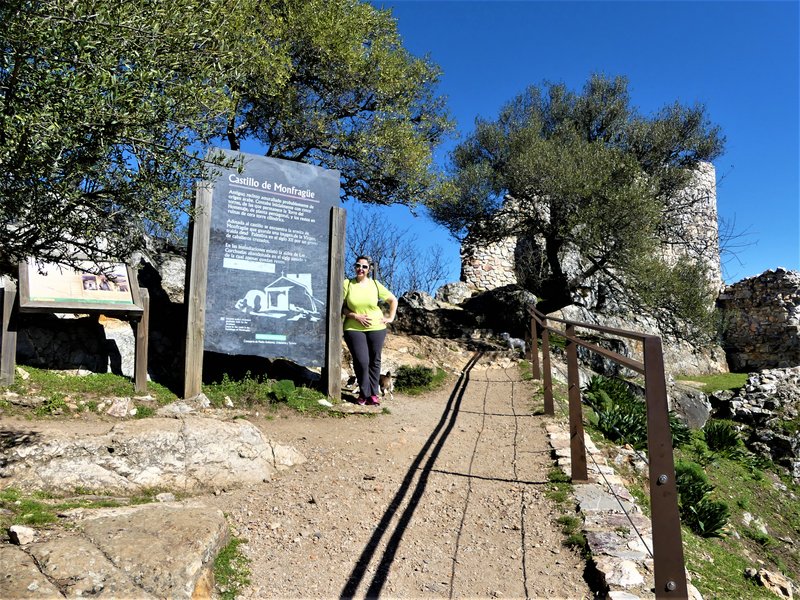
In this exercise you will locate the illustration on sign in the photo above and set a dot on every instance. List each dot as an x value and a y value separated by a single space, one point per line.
288 296
268 258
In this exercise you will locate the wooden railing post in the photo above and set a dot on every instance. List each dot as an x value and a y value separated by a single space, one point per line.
332 374
547 374
142 344
534 350
668 560
8 350
577 443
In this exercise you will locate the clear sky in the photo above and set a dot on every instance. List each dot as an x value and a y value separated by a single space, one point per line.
739 59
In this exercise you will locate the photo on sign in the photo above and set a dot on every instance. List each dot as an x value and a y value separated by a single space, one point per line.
289 296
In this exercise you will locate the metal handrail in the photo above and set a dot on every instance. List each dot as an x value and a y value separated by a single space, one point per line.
668 561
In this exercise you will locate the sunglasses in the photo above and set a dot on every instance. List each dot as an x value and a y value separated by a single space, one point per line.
360 266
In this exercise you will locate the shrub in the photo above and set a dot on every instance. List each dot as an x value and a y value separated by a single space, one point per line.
413 377
621 416
722 437
703 515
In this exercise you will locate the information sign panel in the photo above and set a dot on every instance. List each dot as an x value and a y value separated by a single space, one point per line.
50 287
268 259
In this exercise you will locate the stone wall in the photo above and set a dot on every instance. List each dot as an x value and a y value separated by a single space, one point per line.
490 266
694 233
762 321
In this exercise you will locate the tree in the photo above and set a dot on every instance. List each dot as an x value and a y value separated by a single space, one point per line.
350 98
102 115
399 263
583 179
108 108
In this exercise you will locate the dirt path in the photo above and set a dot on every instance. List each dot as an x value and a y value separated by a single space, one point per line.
442 497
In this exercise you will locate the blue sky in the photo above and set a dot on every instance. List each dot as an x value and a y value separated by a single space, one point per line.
740 59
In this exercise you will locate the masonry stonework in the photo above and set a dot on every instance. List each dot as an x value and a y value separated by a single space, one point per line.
762 321
694 234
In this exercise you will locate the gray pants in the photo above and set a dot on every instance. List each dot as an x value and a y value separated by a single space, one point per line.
365 348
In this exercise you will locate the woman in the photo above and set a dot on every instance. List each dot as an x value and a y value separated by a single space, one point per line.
365 327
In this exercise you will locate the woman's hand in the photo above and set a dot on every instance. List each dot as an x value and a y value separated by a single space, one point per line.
363 319
387 320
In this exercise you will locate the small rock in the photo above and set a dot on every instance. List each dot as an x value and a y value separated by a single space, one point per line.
120 407
23 374
324 402
21 535
165 497
228 402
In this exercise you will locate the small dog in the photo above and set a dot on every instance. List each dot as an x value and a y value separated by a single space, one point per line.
513 342
386 383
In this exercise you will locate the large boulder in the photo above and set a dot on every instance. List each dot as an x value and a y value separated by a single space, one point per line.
188 454
503 309
125 552
420 314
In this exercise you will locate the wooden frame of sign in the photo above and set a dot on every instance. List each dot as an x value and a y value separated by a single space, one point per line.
50 288
196 270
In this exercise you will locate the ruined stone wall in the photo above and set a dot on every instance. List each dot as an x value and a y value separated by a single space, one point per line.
762 321
694 233
489 267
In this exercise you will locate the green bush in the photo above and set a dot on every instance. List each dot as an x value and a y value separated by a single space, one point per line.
722 438
621 416
283 390
413 377
692 481
703 515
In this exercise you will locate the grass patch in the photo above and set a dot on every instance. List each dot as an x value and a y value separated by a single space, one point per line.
40 508
418 380
525 370
231 570
58 387
717 381
261 391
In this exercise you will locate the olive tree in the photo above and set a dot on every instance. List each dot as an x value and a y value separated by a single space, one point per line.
584 178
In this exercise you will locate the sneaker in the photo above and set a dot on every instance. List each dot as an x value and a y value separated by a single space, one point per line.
374 401
361 400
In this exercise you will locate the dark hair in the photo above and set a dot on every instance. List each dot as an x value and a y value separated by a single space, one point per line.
364 257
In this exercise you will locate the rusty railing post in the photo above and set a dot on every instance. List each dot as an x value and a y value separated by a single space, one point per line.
534 349
547 375
577 443
668 560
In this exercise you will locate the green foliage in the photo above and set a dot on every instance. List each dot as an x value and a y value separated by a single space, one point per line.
231 570
721 437
107 110
702 514
418 379
41 508
587 174
621 416
411 377
144 412
247 391
99 110
261 391
85 388
55 404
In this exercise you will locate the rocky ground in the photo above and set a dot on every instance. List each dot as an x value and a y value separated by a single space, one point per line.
439 495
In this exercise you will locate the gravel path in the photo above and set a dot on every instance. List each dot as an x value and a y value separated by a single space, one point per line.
444 496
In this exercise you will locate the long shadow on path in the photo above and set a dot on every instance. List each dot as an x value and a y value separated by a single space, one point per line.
445 426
